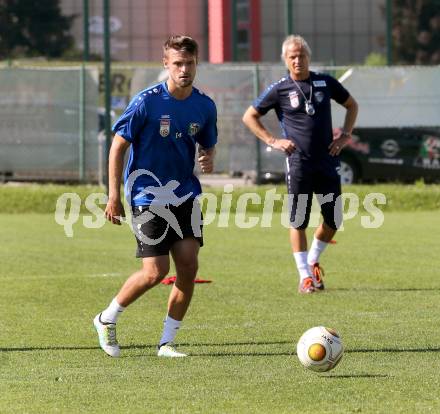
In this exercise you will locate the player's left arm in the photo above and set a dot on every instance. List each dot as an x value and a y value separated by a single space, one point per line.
207 140
344 137
350 116
206 159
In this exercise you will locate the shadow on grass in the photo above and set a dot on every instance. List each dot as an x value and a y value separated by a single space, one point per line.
219 354
357 376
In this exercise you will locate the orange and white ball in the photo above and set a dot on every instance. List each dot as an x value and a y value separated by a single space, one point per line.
320 349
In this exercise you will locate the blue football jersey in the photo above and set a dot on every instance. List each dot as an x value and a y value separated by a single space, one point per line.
163 132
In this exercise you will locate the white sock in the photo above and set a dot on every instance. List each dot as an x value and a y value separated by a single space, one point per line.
111 314
301 265
170 328
315 251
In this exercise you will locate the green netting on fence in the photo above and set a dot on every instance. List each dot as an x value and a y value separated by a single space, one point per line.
49 123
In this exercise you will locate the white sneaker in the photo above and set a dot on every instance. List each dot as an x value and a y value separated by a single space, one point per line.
107 336
169 351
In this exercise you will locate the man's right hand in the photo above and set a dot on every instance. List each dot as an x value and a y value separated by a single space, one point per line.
282 144
114 211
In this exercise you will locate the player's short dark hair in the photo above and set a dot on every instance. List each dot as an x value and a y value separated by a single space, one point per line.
182 44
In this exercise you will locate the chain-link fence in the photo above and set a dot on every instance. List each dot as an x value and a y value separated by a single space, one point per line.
49 124
50 118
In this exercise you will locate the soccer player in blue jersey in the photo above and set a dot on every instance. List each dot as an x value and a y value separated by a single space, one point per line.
301 101
162 125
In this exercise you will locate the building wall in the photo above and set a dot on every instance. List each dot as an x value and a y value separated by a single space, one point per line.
139 27
338 31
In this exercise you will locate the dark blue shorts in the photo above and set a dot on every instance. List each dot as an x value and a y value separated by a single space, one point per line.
156 230
302 183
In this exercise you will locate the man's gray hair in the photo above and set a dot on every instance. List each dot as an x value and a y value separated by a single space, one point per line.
295 40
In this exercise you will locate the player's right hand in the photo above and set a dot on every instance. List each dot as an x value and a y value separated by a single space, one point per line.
114 211
285 145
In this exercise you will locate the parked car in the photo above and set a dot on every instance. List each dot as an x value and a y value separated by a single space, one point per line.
392 154
376 154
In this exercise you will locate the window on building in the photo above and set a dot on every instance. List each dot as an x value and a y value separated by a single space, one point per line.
242 7
243 46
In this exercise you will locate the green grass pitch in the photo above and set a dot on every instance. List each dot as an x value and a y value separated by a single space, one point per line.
241 330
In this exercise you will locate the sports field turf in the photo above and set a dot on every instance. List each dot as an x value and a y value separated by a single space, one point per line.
383 296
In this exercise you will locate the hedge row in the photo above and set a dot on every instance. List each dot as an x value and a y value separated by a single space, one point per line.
33 198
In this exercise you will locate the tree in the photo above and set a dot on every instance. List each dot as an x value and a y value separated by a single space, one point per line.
29 29
375 59
416 31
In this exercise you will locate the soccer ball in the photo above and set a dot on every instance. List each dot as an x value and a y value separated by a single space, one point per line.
320 349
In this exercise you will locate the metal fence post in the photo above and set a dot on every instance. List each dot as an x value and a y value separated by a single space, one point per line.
107 87
258 142
82 123
288 8
86 50
389 12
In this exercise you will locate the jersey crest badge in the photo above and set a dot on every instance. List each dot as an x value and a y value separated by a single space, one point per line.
319 83
193 128
164 130
294 99
319 96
